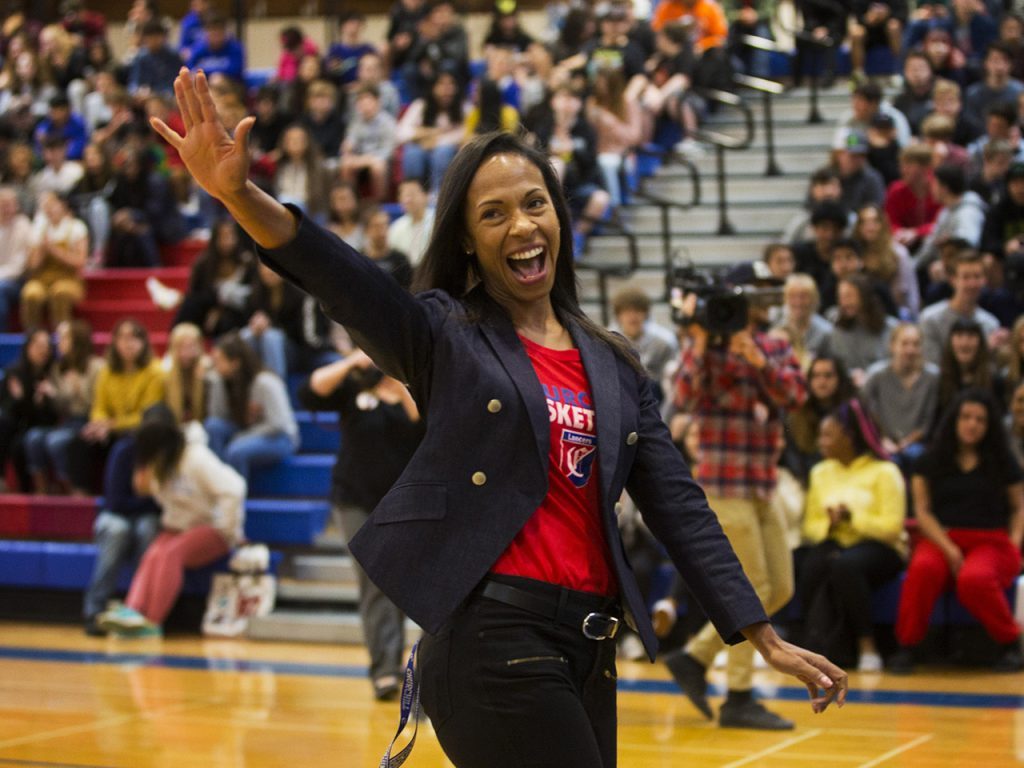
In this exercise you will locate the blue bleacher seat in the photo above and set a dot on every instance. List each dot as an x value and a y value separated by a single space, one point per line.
304 476
318 432
10 347
286 521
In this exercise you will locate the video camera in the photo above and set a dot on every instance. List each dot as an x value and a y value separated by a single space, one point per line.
723 298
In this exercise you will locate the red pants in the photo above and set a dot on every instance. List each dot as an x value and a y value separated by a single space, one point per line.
158 581
990 566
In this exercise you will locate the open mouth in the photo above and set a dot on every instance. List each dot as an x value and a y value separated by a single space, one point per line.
529 265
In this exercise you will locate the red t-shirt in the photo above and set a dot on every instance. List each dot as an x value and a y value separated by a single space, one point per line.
564 543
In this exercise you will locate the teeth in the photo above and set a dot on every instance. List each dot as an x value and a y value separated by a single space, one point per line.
531 254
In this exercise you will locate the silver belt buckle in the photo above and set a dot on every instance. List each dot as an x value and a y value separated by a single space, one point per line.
605 626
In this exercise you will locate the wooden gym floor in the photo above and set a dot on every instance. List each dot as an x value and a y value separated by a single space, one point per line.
72 701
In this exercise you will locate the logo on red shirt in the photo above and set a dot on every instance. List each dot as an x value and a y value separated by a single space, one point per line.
576 456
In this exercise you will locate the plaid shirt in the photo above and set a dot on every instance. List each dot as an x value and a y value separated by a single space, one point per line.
740 409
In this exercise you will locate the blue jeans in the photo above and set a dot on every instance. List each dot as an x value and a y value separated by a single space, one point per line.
427 164
10 290
47 447
119 540
248 451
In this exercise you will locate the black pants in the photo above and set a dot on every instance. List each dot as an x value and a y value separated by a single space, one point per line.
850 575
506 688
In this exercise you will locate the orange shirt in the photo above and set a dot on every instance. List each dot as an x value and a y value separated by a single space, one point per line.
708 16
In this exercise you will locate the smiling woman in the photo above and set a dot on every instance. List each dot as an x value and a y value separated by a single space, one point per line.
500 536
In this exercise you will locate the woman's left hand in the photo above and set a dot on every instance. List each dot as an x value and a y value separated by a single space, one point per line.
824 680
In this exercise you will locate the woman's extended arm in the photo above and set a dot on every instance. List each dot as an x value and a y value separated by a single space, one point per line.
220 163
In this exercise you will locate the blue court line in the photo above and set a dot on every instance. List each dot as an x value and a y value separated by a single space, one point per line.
780 693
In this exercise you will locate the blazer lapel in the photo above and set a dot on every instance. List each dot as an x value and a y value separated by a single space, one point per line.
510 351
602 371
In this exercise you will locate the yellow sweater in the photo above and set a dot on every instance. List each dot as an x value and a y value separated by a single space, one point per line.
124 396
874 492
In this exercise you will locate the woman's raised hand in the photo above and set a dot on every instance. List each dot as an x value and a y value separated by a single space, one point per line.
217 161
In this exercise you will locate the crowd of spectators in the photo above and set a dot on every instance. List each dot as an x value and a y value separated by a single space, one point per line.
903 277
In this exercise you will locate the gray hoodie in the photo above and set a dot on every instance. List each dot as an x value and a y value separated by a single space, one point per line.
964 221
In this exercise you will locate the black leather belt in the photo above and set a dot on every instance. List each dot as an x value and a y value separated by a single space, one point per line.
587 613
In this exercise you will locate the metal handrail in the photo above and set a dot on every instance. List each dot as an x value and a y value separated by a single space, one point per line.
723 141
665 204
767 44
767 89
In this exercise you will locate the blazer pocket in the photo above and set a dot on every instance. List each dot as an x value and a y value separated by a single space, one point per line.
413 501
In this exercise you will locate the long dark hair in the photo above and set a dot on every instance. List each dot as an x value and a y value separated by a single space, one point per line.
951 374
159 443
805 420
81 351
115 362
994 458
489 106
858 425
238 386
432 109
446 266
872 314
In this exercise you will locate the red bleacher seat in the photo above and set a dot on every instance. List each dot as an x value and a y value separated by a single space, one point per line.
103 315
130 284
182 254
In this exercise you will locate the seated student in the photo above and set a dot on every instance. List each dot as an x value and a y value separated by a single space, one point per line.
369 143
127 524
846 260
915 101
60 245
862 328
375 235
901 394
969 503
301 176
909 204
853 524
814 256
656 346
220 283
431 130
876 25
343 214
186 381
967 279
410 232
381 428
966 363
26 401
807 331
886 261
614 111
127 385
828 385
286 327
202 502
73 379
250 421
217 53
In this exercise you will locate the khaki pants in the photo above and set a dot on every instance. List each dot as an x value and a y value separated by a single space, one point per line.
59 296
758 534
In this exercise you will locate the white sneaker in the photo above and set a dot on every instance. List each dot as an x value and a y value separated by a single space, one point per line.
691 148
869 662
162 295
631 648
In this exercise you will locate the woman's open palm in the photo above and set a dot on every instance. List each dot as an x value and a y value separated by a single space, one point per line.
217 161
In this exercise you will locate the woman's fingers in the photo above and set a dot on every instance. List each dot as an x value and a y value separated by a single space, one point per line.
242 131
179 96
191 97
170 135
207 108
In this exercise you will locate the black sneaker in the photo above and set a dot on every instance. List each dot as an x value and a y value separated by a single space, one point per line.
689 676
901 662
92 628
750 714
1010 660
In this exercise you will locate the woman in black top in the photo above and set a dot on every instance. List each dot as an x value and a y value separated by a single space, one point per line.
381 428
26 401
969 502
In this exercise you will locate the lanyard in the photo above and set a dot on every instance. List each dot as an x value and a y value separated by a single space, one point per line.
410 706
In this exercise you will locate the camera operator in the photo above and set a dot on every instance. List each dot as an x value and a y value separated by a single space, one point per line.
738 386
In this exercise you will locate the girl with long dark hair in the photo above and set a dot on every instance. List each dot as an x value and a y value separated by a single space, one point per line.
966 362
431 130
828 385
250 420
26 401
499 538
969 503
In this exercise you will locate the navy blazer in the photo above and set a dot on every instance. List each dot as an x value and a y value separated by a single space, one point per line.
482 468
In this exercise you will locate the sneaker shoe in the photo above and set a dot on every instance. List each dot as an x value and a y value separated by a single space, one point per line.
162 295
386 688
1010 660
750 714
149 629
92 627
121 618
691 149
689 676
901 662
631 648
869 662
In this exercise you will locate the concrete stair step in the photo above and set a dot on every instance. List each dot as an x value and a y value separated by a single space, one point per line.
769 218
335 627
792 161
305 591
704 249
336 568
